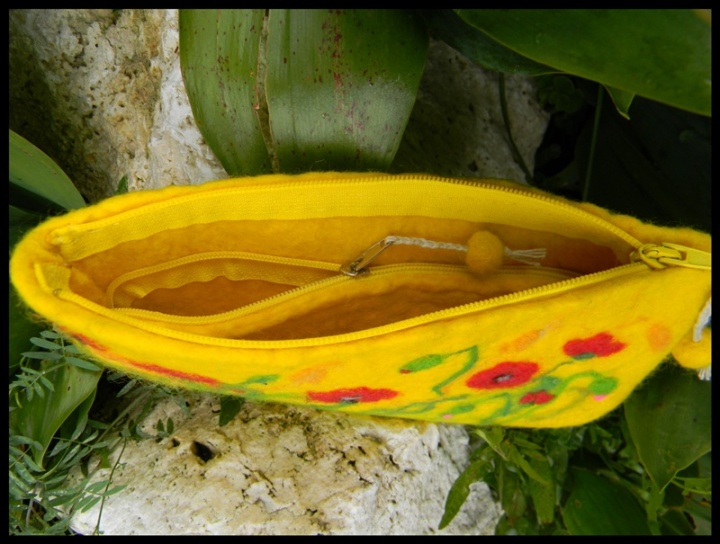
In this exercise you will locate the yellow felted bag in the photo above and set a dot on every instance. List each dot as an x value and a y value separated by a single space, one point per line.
408 296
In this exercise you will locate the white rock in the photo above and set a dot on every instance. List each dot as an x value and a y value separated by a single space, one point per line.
279 470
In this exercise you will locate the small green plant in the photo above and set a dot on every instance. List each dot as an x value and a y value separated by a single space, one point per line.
50 434
51 469
643 469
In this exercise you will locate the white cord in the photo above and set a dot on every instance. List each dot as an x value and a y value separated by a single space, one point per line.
423 242
526 256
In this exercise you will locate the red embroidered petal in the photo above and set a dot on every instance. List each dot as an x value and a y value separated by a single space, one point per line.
503 375
352 395
600 345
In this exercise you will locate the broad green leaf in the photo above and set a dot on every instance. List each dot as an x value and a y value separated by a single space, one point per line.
40 418
299 90
32 171
219 60
661 54
446 25
670 422
655 167
341 85
596 506
474 472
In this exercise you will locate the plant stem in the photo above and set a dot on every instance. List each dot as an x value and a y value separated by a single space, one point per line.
110 479
593 141
506 120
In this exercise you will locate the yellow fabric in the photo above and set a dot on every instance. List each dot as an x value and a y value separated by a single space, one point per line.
234 287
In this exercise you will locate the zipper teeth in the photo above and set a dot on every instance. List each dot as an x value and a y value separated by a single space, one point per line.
455 311
306 289
380 178
492 187
301 290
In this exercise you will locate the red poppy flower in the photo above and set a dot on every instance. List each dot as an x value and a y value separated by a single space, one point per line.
503 376
537 397
353 395
600 345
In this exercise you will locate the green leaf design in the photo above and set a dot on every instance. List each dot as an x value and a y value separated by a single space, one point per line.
661 54
669 420
596 506
300 90
423 363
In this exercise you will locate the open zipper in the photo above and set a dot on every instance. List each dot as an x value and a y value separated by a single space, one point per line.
642 257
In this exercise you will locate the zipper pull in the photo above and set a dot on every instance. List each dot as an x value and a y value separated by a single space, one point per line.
357 267
659 256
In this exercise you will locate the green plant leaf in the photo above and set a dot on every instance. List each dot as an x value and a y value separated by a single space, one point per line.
474 472
543 495
670 422
622 100
675 522
33 172
229 408
655 167
340 86
448 26
512 493
22 329
40 418
219 60
660 54
300 90
597 506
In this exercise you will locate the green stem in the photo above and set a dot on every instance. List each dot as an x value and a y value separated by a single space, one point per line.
107 487
593 142
506 120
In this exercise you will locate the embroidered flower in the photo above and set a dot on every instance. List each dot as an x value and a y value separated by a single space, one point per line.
503 376
600 345
353 395
537 397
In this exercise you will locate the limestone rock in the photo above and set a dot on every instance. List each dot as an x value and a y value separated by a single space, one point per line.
101 92
280 470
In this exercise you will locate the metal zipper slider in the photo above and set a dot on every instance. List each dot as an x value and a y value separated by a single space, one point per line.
357 267
666 254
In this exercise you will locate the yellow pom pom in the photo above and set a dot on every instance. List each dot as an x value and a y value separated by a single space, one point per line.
485 252
694 354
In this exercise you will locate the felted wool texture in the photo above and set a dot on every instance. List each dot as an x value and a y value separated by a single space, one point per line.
530 350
